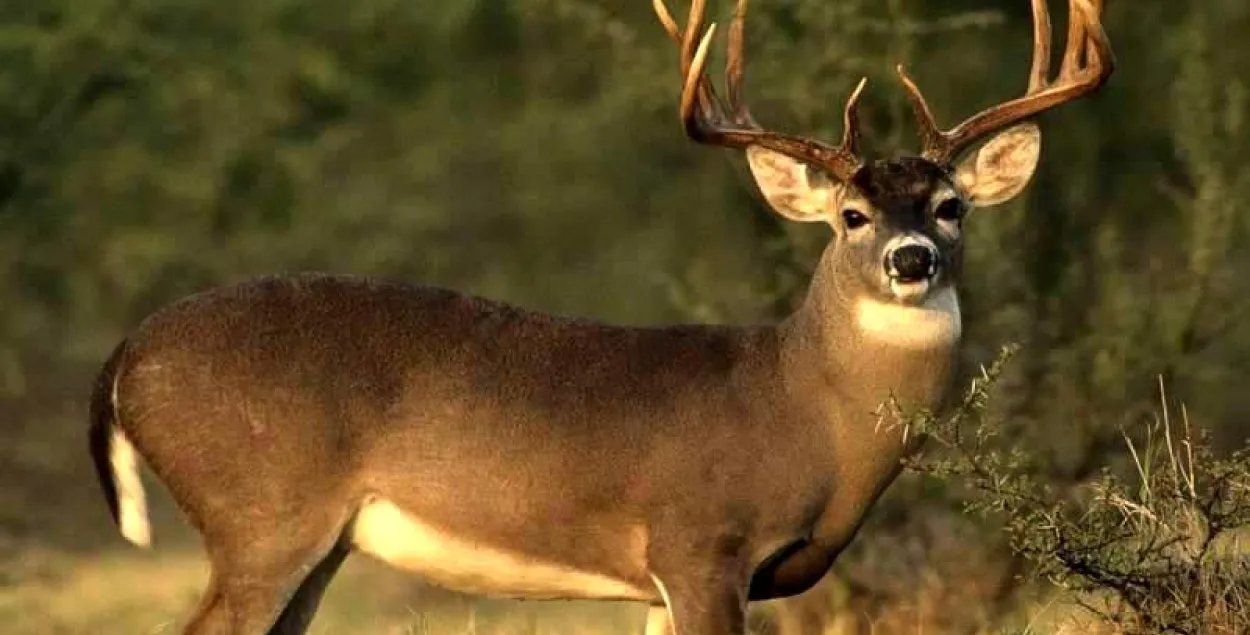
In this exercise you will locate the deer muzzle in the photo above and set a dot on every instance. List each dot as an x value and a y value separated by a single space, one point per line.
912 262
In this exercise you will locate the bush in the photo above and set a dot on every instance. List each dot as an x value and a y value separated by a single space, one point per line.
1154 551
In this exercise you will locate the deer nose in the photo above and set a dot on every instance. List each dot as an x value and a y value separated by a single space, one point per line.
910 263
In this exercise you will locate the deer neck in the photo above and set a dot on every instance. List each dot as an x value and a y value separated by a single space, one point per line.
844 355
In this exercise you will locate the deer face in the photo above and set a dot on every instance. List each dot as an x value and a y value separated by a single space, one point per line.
898 224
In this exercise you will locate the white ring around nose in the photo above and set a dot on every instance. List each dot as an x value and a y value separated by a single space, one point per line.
905 240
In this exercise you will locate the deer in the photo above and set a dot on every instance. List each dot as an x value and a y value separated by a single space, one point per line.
296 419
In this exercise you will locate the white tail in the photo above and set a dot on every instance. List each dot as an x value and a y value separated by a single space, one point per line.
132 504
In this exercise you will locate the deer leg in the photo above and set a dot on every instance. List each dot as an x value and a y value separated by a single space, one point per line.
210 617
267 587
303 605
233 607
702 596
701 606
237 603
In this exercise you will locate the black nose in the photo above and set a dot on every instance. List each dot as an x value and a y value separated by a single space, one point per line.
912 262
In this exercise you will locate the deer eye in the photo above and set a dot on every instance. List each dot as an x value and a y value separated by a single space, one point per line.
952 209
854 219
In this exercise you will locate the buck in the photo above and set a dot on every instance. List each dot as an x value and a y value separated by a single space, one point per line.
496 451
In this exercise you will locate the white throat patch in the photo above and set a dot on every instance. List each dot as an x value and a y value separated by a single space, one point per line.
935 323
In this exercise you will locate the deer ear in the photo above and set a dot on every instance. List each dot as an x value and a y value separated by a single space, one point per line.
790 187
1002 167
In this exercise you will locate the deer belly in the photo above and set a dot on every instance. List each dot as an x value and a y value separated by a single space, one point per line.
386 532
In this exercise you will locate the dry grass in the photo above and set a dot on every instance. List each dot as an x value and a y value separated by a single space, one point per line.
151 593
128 591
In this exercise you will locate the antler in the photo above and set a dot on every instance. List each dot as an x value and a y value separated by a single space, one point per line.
709 119
1086 39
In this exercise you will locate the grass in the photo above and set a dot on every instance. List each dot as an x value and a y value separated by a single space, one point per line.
152 593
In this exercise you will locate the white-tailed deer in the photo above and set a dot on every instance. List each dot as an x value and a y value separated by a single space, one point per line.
295 419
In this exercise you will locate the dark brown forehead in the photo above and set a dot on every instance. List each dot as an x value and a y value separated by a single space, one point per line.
901 178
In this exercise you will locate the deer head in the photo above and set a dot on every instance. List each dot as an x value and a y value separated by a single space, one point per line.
897 223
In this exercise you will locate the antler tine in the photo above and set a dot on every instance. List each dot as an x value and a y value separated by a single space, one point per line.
690 37
690 91
733 66
1093 51
1076 33
1087 64
1039 74
931 137
710 120
850 119
707 92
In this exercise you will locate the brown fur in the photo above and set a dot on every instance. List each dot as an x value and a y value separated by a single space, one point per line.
693 467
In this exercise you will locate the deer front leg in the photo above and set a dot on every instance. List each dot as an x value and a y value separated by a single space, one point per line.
702 596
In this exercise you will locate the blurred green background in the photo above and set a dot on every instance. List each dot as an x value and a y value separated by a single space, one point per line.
529 150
